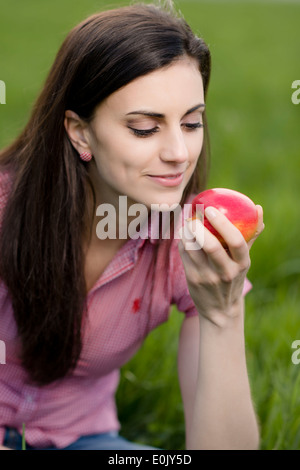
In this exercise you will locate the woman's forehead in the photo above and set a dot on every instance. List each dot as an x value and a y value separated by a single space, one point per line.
178 85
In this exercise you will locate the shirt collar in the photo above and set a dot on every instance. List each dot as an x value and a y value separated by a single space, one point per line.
150 229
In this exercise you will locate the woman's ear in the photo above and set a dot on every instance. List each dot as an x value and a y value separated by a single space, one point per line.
76 129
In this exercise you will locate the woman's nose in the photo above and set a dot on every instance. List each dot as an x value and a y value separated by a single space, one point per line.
174 147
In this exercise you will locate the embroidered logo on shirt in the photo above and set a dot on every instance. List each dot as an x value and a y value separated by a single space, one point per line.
136 305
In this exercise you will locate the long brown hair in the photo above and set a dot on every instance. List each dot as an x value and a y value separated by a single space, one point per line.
46 216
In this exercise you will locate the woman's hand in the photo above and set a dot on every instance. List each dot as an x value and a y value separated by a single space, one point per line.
216 275
214 379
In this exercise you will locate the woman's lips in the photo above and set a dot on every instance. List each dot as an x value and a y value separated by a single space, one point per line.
168 180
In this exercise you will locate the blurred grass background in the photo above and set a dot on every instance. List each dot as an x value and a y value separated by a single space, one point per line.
254 134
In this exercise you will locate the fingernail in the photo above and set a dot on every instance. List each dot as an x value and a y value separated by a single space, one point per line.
191 223
210 213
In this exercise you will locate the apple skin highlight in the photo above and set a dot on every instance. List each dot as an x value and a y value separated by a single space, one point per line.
238 208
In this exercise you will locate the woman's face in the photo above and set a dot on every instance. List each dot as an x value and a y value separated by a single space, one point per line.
147 132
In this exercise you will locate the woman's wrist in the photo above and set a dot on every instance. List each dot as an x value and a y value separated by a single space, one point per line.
219 320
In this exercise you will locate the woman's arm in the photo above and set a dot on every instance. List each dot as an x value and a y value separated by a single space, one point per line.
215 388
187 363
212 366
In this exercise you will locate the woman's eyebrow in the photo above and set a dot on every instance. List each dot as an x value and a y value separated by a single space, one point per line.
161 116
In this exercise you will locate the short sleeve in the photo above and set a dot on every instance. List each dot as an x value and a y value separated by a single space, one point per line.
180 293
247 286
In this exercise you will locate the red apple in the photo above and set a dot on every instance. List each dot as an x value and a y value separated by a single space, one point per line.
237 207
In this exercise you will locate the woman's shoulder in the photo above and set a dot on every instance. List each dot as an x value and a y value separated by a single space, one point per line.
185 212
189 198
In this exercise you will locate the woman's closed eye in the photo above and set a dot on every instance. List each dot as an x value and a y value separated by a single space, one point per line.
189 126
143 132
193 125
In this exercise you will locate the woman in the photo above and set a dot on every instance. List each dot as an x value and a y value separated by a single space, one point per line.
121 114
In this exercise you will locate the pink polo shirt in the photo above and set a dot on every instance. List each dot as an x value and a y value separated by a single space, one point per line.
119 319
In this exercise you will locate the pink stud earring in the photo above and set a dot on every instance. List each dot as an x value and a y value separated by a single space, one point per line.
86 156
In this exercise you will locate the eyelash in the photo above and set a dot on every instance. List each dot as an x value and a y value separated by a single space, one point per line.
148 132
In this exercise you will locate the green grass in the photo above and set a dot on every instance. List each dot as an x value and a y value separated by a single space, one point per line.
23 437
254 133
